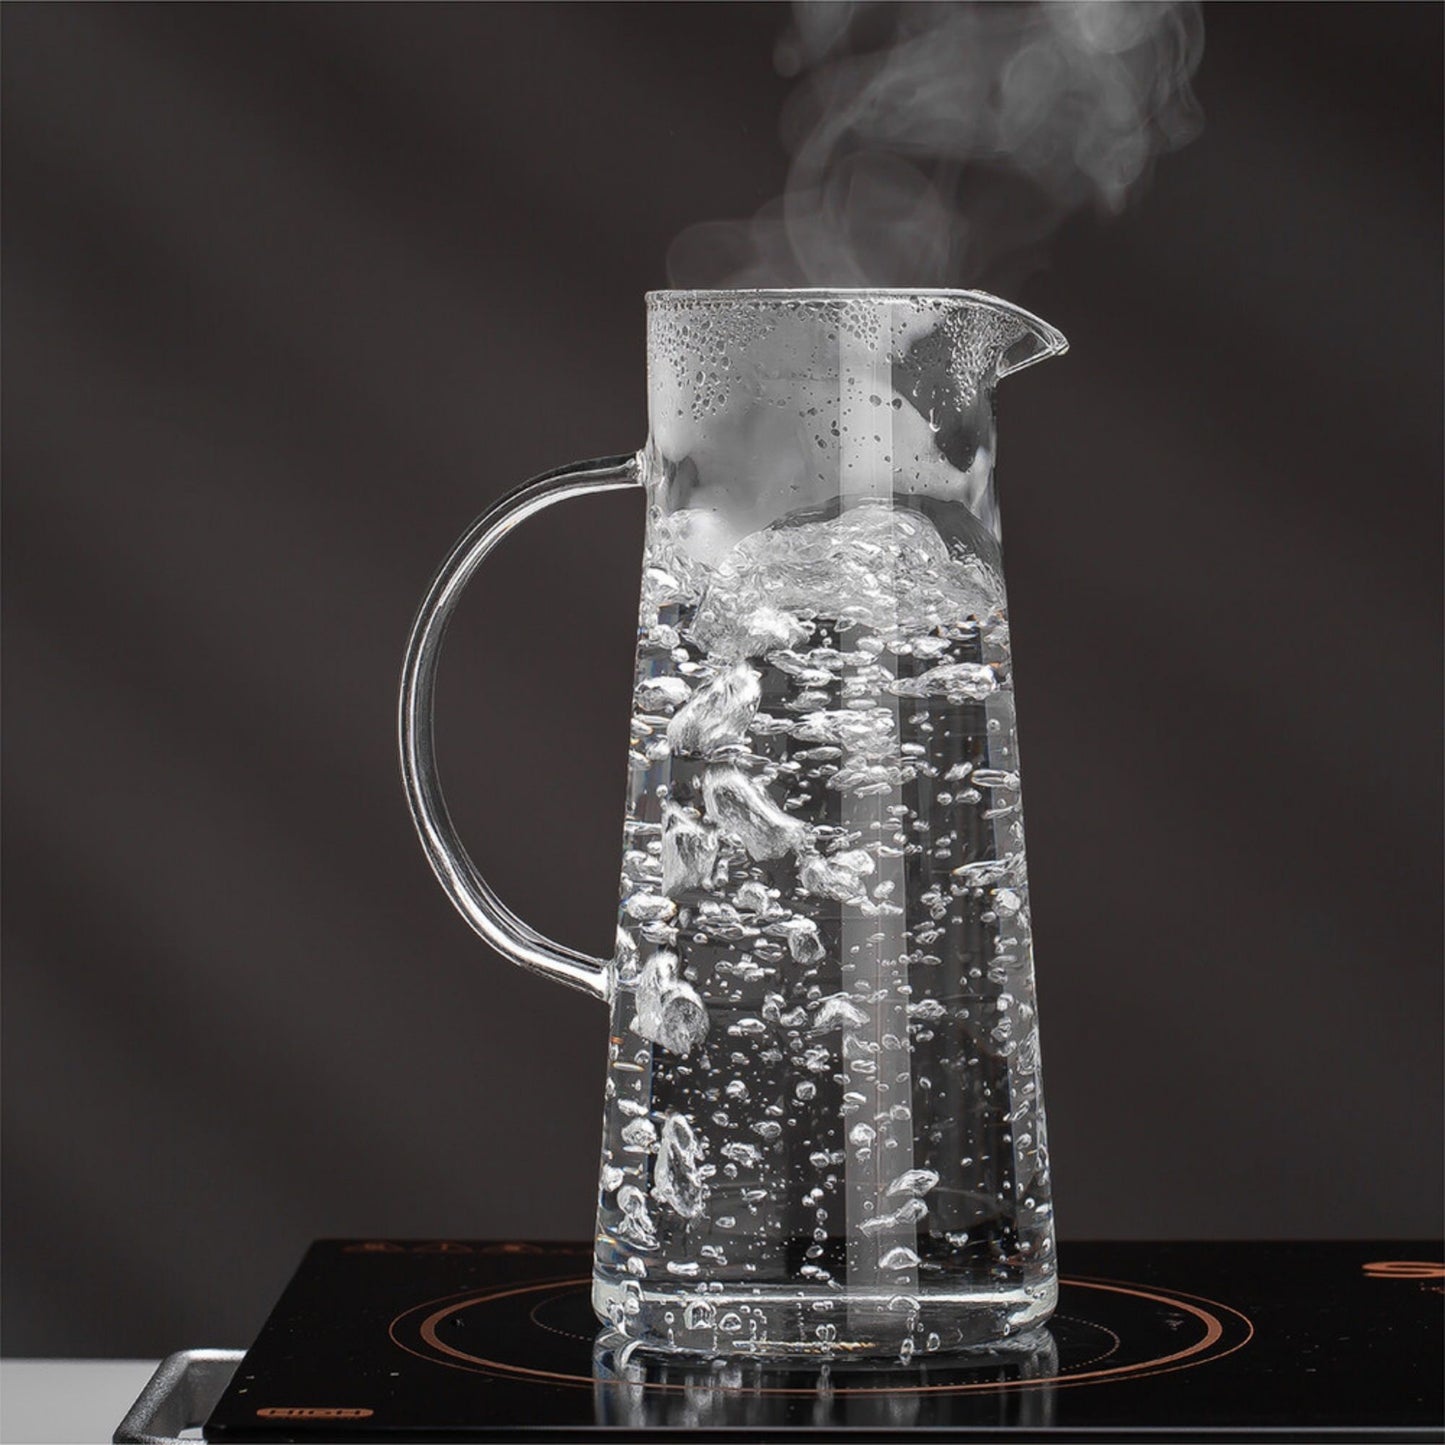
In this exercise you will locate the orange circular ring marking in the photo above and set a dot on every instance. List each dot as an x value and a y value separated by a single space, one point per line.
1404 1269
1161 1365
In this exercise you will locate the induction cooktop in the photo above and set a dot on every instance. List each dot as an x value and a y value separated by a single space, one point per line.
377 1339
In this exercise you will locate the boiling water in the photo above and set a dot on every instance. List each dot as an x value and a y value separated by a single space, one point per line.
824 1129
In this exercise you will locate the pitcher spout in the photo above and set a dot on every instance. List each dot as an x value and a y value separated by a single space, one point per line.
1035 340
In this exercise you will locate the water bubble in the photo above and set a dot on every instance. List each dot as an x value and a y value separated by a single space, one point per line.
914 1181
659 638
899 1257
987 872
689 850
661 694
803 941
748 1026
838 1011
870 779
995 778
955 681
840 877
927 1009
742 808
640 1135
753 897
668 1009
636 1223
677 1177
646 907
717 715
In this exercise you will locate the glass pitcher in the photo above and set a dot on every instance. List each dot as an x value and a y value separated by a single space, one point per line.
823 1129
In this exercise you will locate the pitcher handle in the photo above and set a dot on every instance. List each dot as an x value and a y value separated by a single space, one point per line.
454 869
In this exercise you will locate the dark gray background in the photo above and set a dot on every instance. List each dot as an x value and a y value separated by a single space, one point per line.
294 292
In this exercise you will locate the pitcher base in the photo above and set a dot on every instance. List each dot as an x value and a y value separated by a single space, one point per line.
775 1321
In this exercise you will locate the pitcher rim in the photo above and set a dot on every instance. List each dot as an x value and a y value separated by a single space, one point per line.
1051 340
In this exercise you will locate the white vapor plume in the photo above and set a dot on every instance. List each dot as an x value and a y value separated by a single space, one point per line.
943 142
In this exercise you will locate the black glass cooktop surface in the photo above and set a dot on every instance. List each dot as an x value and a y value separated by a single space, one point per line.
407 1339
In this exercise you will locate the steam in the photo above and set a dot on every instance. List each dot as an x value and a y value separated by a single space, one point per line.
943 143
